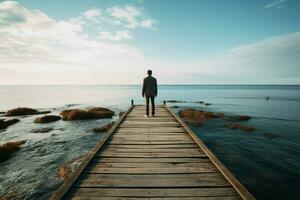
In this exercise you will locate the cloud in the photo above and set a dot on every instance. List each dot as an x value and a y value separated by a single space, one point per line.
40 47
93 15
119 35
132 16
276 3
148 23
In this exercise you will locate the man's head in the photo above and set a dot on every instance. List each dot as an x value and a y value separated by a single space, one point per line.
149 72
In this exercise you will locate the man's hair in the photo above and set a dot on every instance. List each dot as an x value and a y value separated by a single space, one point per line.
149 72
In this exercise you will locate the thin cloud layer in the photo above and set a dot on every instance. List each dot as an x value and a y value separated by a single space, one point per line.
276 4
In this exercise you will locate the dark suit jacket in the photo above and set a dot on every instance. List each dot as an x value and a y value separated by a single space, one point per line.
149 86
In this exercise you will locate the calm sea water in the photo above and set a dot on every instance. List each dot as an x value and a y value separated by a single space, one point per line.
269 168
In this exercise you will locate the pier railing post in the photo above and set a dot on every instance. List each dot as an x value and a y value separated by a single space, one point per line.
132 102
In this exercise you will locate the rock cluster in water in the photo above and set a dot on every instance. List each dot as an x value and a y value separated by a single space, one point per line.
24 111
198 117
6 123
104 128
7 149
79 114
175 101
241 127
47 119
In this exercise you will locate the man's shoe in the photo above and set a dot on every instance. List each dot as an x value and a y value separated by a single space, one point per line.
146 116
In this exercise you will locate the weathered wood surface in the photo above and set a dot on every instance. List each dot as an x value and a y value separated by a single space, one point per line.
153 158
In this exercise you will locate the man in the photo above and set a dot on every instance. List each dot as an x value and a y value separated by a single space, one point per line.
150 91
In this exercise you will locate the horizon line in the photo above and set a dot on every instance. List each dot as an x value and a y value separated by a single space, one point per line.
122 84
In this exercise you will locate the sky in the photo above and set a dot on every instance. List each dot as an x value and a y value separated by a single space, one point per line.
182 41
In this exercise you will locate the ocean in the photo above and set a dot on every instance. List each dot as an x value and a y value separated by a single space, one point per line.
269 167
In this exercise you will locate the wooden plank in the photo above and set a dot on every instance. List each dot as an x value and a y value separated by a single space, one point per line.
148 170
154 133
149 146
156 118
156 123
141 115
159 198
116 150
151 137
154 176
148 126
153 129
164 142
161 181
150 119
151 164
151 160
153 192
160 111
151 155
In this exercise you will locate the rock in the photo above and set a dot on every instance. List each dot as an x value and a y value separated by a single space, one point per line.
175 101
42 130
207 104
5 123
7 149
104 128
24 111
271 136
202 102
241 127
100 112
196 117
21 111
69 168
79 114
75 114
47 119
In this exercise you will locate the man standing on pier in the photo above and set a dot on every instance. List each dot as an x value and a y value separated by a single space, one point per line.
150 91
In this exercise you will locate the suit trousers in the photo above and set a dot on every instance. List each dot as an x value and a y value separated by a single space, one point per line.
152 104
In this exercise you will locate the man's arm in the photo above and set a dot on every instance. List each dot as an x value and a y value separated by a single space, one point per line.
143 89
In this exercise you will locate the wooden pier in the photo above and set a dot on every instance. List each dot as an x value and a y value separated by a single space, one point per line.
151 158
